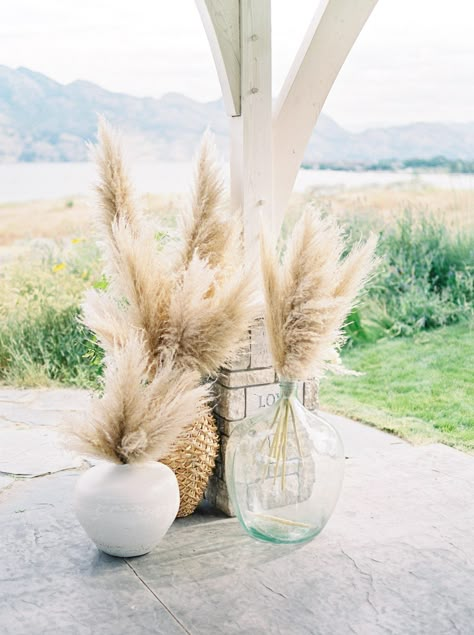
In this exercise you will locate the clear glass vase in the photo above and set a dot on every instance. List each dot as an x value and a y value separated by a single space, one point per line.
284 471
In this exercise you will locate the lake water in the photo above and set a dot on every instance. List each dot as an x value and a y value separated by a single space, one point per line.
31 181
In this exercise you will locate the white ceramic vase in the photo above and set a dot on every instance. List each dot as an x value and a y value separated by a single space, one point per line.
127 509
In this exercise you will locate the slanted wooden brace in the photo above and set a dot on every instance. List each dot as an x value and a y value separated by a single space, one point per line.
267 147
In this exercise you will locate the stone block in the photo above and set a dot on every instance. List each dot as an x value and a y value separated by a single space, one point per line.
307 479
218 496
245 389
261 397
219 469
230 402
226 427
211 490
271 495
241 378
222 499
259 354
222 454
311 394
242 361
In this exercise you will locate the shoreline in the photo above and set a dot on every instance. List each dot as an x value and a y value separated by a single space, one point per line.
30 182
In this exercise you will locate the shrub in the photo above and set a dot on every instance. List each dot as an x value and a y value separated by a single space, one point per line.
41 339
425 280
50 346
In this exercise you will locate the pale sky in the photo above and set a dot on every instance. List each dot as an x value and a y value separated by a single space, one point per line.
414 60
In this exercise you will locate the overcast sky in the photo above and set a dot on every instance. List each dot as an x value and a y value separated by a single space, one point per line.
414 60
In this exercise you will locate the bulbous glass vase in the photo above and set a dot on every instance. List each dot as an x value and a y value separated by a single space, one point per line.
284 471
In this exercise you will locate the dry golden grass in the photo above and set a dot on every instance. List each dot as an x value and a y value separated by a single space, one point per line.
57 219
48 219
181 320
382 205
63 218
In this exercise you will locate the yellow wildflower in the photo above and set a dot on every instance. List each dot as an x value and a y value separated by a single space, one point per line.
59 267
77 240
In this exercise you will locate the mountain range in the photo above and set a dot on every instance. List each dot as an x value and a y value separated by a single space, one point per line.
43 120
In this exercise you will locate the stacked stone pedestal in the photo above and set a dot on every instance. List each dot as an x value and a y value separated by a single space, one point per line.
244 390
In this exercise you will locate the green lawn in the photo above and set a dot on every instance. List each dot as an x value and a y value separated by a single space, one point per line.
420 388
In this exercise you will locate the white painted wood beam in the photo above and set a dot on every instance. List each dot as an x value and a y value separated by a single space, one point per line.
251 133
329 39
221 20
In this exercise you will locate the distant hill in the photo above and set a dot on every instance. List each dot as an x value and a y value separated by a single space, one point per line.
42 120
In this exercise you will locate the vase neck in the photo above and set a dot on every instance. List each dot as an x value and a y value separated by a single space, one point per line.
288 388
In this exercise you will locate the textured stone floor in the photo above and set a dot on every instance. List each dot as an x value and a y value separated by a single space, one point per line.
397 556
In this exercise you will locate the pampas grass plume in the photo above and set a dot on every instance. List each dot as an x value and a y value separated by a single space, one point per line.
138 420
116 199
205 330
310 294
207 231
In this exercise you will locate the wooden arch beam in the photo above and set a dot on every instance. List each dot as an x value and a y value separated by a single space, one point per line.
267 145
221 20
327 43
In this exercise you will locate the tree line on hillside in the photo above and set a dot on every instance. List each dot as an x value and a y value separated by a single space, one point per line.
435 164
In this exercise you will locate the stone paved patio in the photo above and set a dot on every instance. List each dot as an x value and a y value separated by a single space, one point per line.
397 556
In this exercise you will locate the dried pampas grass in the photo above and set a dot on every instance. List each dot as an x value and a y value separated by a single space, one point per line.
310 294
207 230
204 330
194 306
138 295
168 317
105 317
136 420
116 199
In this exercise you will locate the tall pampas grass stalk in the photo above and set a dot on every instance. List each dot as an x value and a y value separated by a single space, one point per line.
207 229
136 271
310 293
115 194
137 420
215 299
308 296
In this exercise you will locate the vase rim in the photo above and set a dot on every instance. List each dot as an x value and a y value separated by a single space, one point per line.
133 465
288 387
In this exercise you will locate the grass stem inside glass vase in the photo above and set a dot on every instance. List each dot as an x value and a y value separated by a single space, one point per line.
279 445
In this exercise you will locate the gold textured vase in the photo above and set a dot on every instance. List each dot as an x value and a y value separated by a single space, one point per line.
192 460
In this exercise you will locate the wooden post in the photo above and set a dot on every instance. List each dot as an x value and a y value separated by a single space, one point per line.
251 135
239 32
266 152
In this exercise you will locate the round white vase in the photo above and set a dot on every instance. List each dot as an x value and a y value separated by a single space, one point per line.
127 509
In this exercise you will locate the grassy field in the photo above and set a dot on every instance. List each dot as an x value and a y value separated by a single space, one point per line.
376 206
410 335
69 217
420 388
66 219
